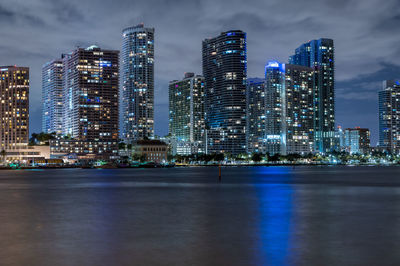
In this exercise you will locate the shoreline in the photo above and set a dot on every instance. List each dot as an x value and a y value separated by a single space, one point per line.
192 165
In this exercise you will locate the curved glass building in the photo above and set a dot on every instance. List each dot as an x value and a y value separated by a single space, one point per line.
137 83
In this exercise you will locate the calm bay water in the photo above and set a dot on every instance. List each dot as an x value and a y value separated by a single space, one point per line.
183 216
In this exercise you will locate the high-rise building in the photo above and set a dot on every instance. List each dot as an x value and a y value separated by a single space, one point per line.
90 106
255 131
14 107
225 72
186 112
299 109
319 55
137 83
52 97
389 116
275 108
289 108
357 140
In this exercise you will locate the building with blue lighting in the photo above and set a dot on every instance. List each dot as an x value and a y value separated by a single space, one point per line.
357 140
255 98
225 73
289 112
275 108
137 83
90 79
389 116
319 55
186 113
52 97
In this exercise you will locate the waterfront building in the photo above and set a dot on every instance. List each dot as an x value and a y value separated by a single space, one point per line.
357 140
255 99
52 97
29 155
150 150
389 116
90 106
225 70
14 108
186 113
339 139
137 83
289 109
319 55
275 108
299 109
87 149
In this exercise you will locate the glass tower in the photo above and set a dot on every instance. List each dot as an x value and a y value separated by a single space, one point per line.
299 109
52 97
357 140
389 116
319 55
186 111
275 108
137 83
255 114
90 92
288 108
225 72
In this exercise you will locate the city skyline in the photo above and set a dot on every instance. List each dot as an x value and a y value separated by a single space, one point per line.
177 51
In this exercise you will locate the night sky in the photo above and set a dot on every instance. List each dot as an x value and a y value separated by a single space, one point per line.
366 35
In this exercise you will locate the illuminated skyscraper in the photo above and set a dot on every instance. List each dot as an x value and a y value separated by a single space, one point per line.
52 97
14 107
255 131
289 109
225 72
186 112
90 106
319 55
275 108
389 116
137 83
299 109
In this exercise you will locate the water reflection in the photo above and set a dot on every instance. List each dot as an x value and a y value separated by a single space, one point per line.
275 219
256 216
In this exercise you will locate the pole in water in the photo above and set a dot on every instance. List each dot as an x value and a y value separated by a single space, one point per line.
219 171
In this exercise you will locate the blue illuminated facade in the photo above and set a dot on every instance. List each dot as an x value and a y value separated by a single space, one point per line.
288 109
275 108
225 73
319 55
91 101
357 140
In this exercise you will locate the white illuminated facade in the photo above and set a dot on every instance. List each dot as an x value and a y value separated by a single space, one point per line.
137 83
289 116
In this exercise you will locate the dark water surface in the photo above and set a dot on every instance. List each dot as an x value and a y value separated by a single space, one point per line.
183 216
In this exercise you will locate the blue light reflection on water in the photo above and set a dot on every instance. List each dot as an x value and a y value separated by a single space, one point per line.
275 219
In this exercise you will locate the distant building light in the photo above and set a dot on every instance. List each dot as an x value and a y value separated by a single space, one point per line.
273 64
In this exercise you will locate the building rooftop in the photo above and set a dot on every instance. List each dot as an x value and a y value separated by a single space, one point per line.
150 142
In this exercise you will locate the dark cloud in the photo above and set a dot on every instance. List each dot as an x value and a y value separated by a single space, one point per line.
65 12
6 14
366 35
357 98
10 17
